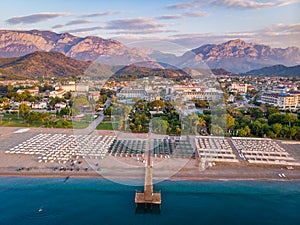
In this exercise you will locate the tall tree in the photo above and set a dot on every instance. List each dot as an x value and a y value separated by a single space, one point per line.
158 104
24 110
277 127
289 119
229 122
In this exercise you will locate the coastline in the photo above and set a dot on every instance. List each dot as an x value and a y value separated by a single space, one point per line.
169 179
212 174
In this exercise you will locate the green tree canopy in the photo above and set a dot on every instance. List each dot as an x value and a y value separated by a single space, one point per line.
277 127
24 110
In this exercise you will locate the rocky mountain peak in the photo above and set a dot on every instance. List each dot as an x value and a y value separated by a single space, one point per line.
19 43
235 42
239 56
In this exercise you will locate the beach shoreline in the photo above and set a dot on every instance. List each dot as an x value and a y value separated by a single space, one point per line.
217 173
51 176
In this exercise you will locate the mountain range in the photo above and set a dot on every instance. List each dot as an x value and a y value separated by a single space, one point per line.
236 56
20 43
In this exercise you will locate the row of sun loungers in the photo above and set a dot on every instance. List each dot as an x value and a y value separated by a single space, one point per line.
263 151
127 148
62 148
215 149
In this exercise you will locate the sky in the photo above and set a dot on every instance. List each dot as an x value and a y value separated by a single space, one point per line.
187 23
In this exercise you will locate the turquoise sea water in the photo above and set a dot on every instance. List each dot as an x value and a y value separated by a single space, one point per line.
99 201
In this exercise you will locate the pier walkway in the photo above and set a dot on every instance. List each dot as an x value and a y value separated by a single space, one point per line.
148 197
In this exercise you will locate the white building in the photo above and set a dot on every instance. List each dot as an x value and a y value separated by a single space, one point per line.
209 94
39 105
60 105
59 93
281 100
238 87
130 93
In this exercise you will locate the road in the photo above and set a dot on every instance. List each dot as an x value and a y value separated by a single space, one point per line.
93 125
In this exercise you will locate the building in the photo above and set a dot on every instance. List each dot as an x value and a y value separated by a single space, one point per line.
60 105
231 98
39 105
130 93
69 87
33 91
146 94
95 95
282 100
238 87
280 89
209 94
297 93
59 93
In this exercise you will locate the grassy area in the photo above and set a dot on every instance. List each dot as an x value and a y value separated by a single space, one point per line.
79 125
12 120
105 126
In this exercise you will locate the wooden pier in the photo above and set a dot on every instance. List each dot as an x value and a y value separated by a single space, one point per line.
148 197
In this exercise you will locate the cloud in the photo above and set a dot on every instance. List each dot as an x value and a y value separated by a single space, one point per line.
237 4
196 14
58 26
277 35
144 32
170 17
280 27
34 18
84 29
250 4
72 22
185 5
184 15
126 26
137 26
98 14
76 22
133 24
281 34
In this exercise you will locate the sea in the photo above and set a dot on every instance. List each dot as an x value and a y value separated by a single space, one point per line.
88 201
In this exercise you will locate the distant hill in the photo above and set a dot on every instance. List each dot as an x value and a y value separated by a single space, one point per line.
140 71
39 64
221 71
276 70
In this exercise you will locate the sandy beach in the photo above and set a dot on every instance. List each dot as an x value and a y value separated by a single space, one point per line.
27 165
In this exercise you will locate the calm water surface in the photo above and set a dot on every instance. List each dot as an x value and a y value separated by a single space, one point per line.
99 201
